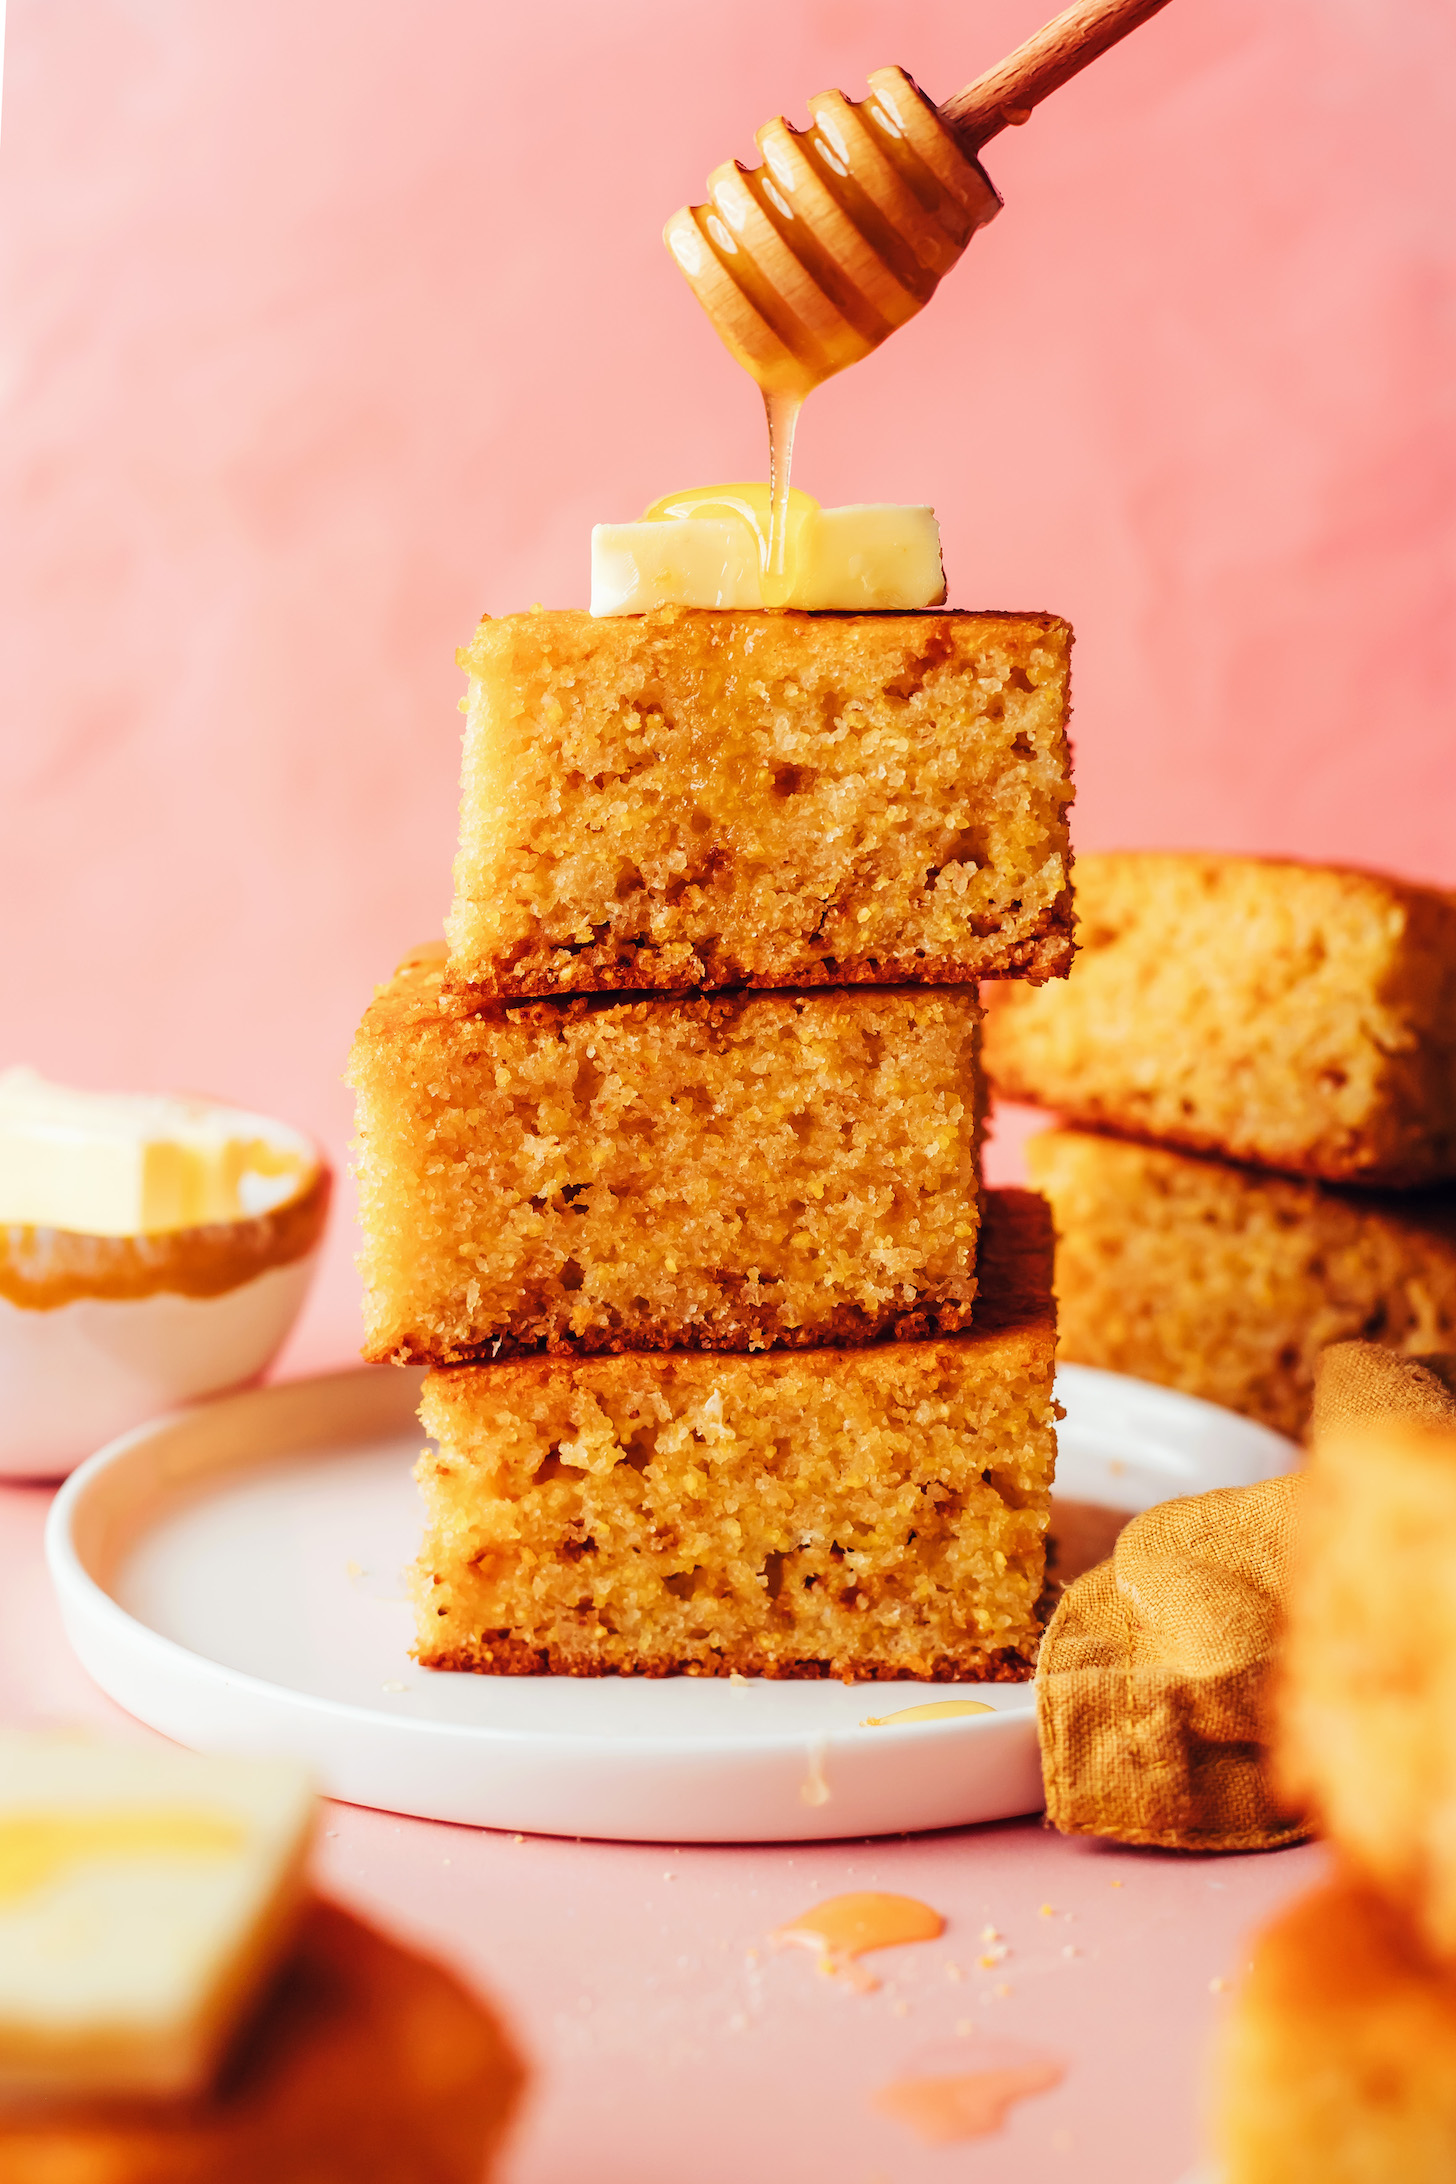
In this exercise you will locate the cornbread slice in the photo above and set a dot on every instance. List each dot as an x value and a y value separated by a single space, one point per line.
369 2064
1338 2061
1227 1282
1367 1717
687 798
147 1896
1295 1016
720 1172
867 1514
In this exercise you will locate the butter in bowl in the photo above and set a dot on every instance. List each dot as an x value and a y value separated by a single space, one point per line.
153 1249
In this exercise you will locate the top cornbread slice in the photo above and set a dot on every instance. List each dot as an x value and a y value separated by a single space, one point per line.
688 798
1297 1017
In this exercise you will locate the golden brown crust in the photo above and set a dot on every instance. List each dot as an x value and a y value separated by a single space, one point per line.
497 1653
42 1268
533 1334
1045 953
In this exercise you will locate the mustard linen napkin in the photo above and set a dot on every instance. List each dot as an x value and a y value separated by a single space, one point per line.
1152 1686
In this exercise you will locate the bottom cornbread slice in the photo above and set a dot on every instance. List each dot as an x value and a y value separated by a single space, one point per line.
1228 1282
1338 2063
863 1513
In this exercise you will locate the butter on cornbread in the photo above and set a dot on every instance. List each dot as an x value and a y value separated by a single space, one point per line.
724 1171
870 1513
689 798
1297 1017
1228 1282
146 1895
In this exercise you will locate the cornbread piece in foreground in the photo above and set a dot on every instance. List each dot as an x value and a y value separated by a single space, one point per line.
688 798
869 1513
146 1896
722 1172
367 2065
1296 1016
1367 1718
1228 1282
1338 2061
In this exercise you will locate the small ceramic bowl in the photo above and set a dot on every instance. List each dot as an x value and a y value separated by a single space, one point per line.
99 1333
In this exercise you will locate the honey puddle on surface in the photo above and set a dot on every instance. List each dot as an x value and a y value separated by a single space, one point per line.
845 1928
964 2104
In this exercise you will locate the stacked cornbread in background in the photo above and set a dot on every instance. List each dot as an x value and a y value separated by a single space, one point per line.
1338 2064
670 1164
1258 1063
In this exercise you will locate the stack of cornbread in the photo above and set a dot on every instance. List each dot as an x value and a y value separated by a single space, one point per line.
1338 2063
1257 1064
669 1162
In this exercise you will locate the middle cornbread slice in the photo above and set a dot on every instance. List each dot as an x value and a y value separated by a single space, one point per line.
736 1171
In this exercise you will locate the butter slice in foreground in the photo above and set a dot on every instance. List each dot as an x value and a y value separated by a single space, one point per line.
145 1896
709 548
131 1164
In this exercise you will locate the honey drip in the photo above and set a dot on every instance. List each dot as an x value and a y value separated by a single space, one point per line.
809 262
38 1847
845 1928
937 1710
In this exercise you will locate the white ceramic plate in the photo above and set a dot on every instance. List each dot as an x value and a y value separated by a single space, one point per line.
232 1575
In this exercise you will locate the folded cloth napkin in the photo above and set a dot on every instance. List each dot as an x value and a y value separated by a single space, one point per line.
1153 1682
1358 1382
1154 1688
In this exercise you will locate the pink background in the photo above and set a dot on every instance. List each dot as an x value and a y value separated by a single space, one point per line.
327 324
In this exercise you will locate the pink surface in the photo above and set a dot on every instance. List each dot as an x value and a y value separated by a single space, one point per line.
325 327
671 2045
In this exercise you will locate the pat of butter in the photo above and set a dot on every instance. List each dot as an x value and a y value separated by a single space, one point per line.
710 548
123 1164
146 1894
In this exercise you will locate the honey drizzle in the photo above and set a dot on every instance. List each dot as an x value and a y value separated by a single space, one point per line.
783 418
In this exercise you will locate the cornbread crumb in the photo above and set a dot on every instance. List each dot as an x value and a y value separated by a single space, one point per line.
731 1171
863 1513
1227 1282
1367 1716
1298 1017
1337 2061
739 799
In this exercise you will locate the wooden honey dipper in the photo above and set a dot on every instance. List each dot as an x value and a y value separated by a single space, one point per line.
810 261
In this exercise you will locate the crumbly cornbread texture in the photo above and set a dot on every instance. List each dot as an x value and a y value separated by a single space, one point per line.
738 799
1337 2064
1228 1282
870 1513
726 1172
1296 1016
1367 1720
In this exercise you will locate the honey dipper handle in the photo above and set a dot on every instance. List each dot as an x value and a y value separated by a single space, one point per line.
1007 93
